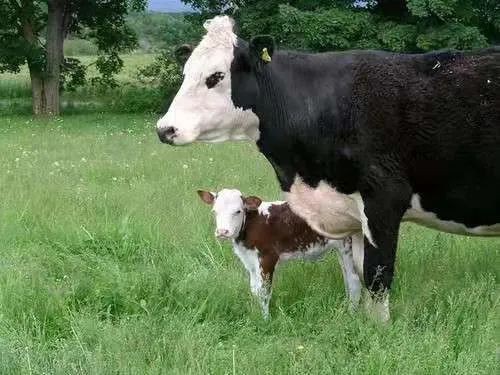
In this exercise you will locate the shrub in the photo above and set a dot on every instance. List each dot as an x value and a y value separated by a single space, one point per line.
79 47
164 76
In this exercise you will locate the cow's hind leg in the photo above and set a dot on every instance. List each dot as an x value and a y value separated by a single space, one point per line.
383 206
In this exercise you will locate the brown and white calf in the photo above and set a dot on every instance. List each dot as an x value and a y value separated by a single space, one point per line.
266 233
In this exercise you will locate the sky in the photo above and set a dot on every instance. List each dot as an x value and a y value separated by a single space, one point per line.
167 6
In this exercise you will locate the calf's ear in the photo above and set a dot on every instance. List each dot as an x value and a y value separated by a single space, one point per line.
206 196
262 49
252 203
182 53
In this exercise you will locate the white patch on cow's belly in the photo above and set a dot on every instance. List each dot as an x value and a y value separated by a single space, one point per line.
314 251
364 220
327 211
429 219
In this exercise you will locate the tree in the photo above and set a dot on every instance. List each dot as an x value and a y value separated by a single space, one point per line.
160 31
32 32
396 25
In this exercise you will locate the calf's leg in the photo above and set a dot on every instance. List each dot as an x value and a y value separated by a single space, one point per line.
351 279
260 281
260 269
259 288
264 292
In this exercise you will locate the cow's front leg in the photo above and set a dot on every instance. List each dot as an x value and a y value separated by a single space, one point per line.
351 279
381 208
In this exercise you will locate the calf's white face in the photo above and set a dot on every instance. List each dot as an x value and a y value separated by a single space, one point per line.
230 209
203 109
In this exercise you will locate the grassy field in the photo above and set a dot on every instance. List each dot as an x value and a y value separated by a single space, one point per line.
108 265
131 96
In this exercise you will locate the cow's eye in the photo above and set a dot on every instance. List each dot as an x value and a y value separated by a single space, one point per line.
214 79
237 212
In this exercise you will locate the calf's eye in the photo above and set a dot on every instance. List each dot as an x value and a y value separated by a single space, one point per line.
214 79
237 212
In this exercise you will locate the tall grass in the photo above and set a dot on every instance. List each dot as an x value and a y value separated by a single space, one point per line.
109 266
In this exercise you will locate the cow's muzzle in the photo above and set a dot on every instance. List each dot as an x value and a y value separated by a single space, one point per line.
167 134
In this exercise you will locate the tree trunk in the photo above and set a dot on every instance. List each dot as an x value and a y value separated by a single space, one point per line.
54 46
45 81
37 93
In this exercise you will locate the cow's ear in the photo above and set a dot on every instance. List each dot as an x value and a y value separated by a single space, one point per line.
206 196
182 53
252 203
262 49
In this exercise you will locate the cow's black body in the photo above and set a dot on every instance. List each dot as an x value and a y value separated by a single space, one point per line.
385 125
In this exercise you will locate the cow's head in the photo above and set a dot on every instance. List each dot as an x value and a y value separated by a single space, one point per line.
230 208
217 98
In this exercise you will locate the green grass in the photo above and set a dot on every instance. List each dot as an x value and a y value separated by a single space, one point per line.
108 266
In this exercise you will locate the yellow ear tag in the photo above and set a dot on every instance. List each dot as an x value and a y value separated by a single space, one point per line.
265 55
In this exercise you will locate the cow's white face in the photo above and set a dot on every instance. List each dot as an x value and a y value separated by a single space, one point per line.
203 109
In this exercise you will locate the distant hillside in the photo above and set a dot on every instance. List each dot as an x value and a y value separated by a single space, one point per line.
160 30
168 6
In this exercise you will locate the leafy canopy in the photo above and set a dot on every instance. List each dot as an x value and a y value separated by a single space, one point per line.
397 25
23 34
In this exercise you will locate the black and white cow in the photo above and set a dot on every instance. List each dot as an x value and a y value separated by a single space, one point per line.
359 140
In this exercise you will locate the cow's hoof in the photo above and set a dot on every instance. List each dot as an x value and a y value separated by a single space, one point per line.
377 308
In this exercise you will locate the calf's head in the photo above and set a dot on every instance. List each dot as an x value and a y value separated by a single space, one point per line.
230 208
216 100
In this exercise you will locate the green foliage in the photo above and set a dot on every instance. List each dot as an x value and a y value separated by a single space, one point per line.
164 76
73 73
109 266
329 29
24 35
161 31
456 36
108 66
79 47
397 37
397 25
164 72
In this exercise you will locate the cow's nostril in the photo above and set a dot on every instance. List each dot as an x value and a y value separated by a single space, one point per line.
167 134
170 131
